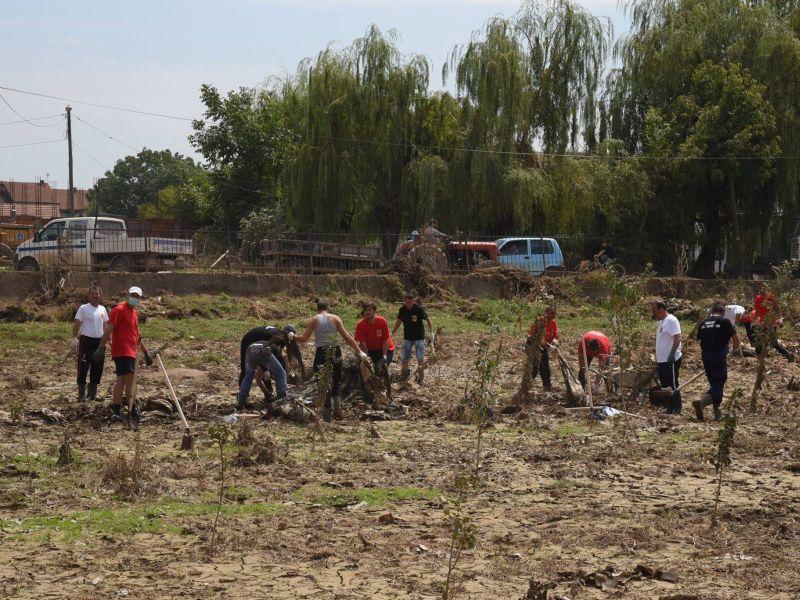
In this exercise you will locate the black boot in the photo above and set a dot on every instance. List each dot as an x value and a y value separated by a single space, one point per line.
699 405
81 392
717 412
92 393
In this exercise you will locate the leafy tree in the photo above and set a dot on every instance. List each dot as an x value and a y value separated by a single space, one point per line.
704 134
245 140
137 180
188 202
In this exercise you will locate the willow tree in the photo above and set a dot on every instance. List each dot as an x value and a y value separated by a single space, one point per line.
669 40
525 83
355 108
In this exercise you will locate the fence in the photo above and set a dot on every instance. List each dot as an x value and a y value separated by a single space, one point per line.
109 247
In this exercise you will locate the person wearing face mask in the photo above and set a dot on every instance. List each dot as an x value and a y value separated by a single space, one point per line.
123 330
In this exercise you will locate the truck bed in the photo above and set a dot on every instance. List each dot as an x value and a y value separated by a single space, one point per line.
141 245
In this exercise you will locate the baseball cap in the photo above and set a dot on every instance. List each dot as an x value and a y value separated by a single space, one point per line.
135 290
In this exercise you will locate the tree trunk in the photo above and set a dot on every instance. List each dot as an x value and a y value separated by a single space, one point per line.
704 264
733 211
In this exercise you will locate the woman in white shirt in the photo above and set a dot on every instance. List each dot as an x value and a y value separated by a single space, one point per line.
87 330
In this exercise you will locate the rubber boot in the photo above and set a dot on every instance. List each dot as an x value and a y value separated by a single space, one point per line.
92 393
240 402
717 412
326 413
81 393
699 405
337 408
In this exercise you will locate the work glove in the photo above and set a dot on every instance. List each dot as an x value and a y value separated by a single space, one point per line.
148 358
99 354
74 343
363 355
290 336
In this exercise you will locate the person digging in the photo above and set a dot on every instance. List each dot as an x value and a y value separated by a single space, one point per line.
715 332
260 360
123 331
327 328
593 344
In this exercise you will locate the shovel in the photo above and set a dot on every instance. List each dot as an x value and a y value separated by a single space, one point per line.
666 393
188 440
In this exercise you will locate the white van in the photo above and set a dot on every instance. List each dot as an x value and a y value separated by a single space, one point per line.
99 243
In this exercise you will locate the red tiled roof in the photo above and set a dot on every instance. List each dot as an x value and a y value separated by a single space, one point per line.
33 192
42 211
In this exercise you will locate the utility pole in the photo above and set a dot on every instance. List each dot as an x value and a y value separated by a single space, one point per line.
70 199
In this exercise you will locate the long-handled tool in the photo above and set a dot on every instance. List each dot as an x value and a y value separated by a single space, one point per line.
188 440
664 393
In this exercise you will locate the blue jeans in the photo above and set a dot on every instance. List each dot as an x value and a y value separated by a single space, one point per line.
273 366
716 367
419 349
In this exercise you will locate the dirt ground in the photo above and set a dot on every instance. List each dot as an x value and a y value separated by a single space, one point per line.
356 509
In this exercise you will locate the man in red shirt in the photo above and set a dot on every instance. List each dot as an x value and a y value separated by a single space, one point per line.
123 330
549 342
764 327
594 344
373 337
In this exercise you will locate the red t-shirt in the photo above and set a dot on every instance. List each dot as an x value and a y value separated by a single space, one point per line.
373 334
763 304
550 330
603 350
125 336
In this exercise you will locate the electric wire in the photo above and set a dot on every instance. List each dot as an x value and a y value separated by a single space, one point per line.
108 135
33 119
14 110
96 104
32 144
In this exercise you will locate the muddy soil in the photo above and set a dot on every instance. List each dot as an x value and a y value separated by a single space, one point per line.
356 509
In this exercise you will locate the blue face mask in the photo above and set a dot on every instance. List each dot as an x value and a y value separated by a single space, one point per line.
134 302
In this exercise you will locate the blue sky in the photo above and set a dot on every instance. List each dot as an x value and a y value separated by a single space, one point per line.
153 56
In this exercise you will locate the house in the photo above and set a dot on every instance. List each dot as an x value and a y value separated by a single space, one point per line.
36 202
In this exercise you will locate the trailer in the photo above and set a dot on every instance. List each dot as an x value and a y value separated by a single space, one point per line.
307 256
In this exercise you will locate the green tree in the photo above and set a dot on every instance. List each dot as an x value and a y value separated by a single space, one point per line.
704 134
188 202
137 180
245 140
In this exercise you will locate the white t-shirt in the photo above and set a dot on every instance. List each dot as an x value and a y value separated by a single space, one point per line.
732 311
665 332
92 319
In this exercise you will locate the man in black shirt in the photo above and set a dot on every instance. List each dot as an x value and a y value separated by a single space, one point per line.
412 315
714 333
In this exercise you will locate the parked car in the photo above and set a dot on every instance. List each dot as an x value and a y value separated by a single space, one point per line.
535 255
99 243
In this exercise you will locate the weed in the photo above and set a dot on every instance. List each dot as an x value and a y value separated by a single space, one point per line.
463 533
17 409
221 436
722 458
373 497
127 477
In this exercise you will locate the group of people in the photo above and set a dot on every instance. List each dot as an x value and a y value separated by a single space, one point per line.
716 333
262 349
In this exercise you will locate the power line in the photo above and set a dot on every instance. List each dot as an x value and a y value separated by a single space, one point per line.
106 167
108 135
34 119
95 104
14 110
548 154
32 144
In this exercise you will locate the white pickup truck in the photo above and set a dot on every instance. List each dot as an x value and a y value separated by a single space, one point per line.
99 243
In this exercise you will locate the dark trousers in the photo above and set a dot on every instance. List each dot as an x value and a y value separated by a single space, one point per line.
543 368
376 356
330 356
668 378
86 364
755 334
715 364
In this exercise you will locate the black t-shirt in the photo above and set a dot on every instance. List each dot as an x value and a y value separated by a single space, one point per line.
257 334
714 333
413 327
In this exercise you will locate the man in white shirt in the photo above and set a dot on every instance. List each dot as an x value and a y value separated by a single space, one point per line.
88 327
734 313
668 353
